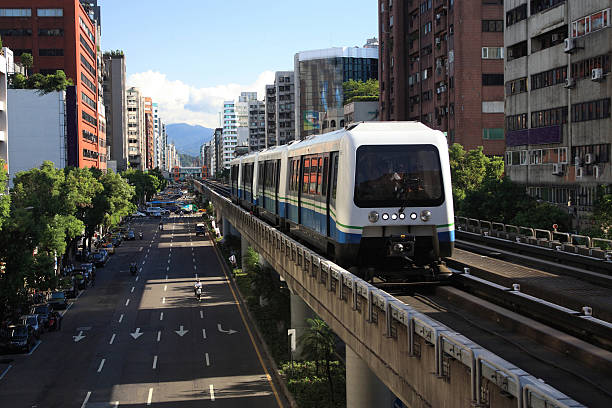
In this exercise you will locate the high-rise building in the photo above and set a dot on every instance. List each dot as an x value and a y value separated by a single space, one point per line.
441 63
149 134
136 129
115 103
280 109
319 75
157 137
4 155
230 134
257 125
60 35
216 154
557 94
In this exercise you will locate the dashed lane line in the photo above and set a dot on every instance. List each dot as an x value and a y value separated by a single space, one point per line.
161 316
127 302
155 362
158 335
204 334
132 290
112 339
207 360
86 399
150 396
120 318
212 392
101 365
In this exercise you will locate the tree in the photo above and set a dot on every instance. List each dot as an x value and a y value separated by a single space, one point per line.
5 199
602 214
56 82
470 169
146 184
360 91
163 183
318 344
27 61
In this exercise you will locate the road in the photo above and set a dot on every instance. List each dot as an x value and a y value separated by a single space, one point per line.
146 341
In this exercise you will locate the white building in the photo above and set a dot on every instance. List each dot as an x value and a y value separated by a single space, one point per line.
230 132
38 130
3 116
136 129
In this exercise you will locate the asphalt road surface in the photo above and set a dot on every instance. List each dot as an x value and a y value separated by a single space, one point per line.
146 341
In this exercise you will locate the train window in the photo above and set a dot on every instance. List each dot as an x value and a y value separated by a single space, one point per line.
334 181
318 176
306 177
398 176
260 177
324 182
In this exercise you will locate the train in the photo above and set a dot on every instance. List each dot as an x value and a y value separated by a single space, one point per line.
374 196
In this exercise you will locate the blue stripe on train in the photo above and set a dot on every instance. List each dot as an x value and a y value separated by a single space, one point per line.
446 236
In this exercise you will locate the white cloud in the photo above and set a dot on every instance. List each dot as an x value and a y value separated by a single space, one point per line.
183 103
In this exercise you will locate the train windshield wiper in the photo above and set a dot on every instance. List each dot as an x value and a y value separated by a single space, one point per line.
403 187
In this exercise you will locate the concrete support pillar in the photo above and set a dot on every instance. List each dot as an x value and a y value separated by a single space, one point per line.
226 228
300 311
363 388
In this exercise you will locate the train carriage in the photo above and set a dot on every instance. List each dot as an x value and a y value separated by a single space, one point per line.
374 195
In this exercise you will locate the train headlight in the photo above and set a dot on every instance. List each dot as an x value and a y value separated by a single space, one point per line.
425 215
402 216
394 216
385 216
413 216
373 216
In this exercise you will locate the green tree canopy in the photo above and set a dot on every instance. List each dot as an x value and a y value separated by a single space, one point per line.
43 83
27 61
359 90
145 183
5 199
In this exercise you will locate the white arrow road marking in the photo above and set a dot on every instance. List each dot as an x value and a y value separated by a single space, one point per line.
230 331
161 316
132 291
201 314
101 365
79 337
112 339
207 360
154 362
159 335
150 396
137 333
204 333
121 318
127 302
86 399
181 332
212 392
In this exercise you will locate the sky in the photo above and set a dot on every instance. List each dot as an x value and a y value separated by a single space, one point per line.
191 55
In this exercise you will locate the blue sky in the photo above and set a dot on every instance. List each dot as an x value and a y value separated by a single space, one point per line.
197 53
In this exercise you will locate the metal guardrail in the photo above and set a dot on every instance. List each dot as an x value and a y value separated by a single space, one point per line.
483 364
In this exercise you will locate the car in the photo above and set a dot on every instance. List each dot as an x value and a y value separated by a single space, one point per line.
43 311
57 300
33 321
130 235
19 337
139 214
100 258
70 291
108 247
200 229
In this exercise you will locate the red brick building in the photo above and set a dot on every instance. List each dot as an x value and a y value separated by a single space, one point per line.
60 36
441 63
149 134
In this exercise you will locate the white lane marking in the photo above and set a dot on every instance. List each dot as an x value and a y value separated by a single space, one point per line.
204 333
196 275
164 300
150 396
112 339
127 302
207 361
86 399
146 256
5 371
194 267
168 260
120 318
101 365
148 250
158 335
138 276
35 347
143 262
132 291
161 316
168 268
201 314
116 404
212 392
154 362
165 288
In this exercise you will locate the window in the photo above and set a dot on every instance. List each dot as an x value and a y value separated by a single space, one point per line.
88 66
548 78
15 32
492 26
541 5
50 32
590 23
516 14
492 52
89 119
51 52
516 158
90 136
50 12
492 79
548 39
516 86
493 134
549 117
85 28
582 69
85 45
516 122
88 101
591 110
15 12
426 28
517 50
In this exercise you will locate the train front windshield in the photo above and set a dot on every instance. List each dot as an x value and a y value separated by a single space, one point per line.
398 176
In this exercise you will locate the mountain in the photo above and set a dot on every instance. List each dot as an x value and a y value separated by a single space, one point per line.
188 138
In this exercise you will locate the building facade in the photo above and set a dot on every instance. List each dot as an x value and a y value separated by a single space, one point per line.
115 103
442 63
61 36
257 125
280 109
557 93
319 75
149 134
230 134
4 66
136 129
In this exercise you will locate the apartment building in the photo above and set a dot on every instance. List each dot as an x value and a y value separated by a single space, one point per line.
136 129
257 125
60 35
319 75
149 134
557 93
115 102
230 134
280 109
442 63
4 66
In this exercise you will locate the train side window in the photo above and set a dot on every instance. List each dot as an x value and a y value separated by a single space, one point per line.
277 176
260 176
334 182
319 175
306 177
325 169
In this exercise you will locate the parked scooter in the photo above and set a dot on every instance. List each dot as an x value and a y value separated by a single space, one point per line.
133 268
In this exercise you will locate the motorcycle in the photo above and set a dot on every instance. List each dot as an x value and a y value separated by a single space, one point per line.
140 235
133 268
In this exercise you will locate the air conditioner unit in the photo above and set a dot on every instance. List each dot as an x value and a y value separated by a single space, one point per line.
579 172
595 171
438 16
589 159
596 74
438 90
437 40
557 169
570 83
577 161
569 45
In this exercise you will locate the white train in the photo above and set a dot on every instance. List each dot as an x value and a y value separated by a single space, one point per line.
373 195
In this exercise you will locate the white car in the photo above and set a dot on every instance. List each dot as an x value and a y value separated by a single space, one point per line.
139 214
